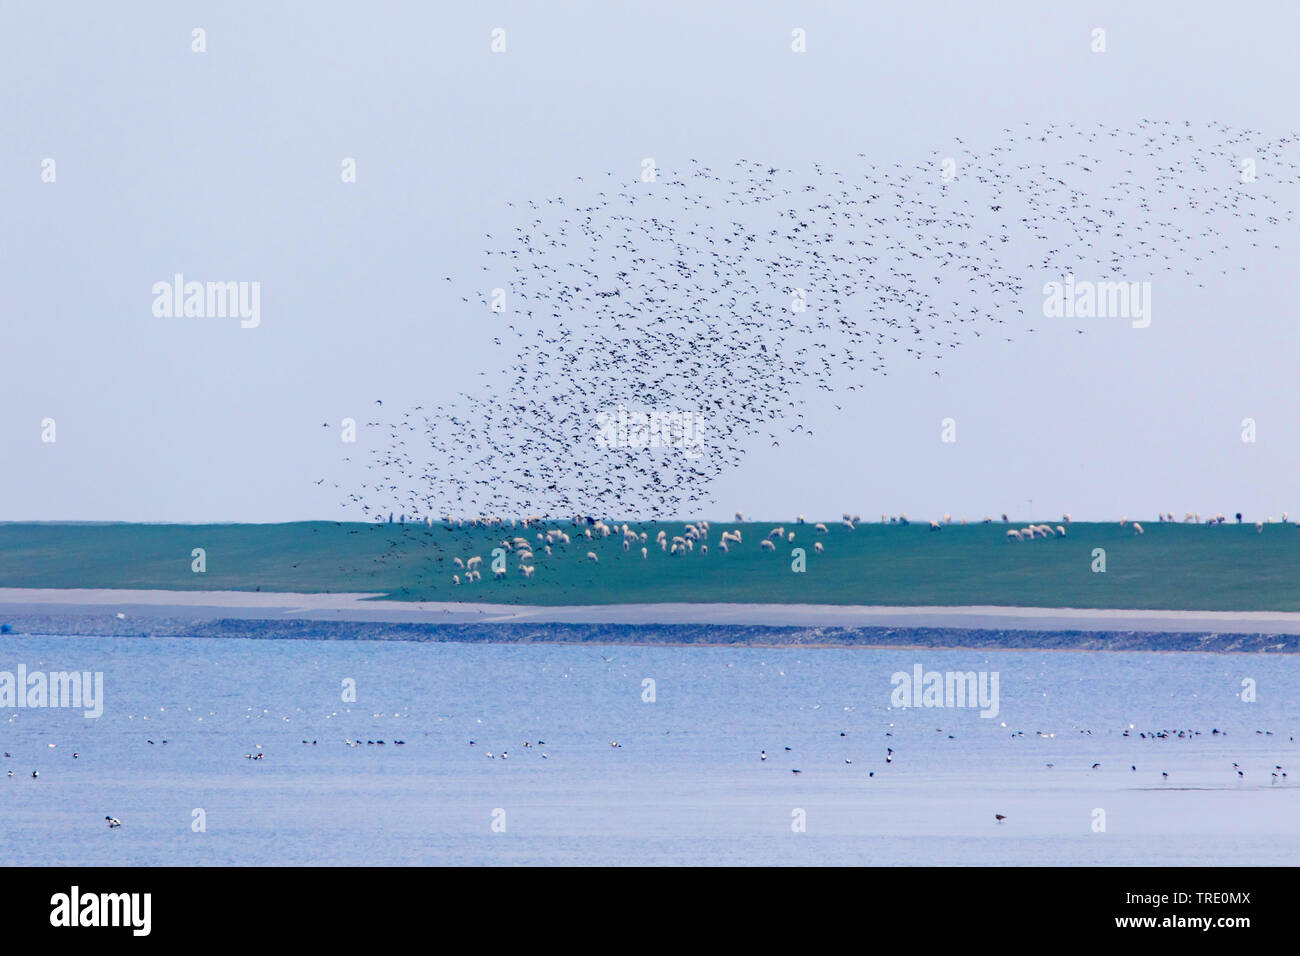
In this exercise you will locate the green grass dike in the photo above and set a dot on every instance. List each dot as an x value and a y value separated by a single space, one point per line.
1170 566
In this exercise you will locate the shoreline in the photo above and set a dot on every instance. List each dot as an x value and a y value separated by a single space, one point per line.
366 607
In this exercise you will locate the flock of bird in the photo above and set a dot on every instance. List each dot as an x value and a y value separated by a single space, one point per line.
735 294
1278 773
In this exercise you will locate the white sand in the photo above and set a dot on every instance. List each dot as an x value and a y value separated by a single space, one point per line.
252 604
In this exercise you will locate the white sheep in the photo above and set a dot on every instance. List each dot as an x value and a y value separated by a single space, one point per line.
455 579
820 528
644 554
528 570
1013 535
1137 528
591 556
934 526
767 545
818 548
1060 530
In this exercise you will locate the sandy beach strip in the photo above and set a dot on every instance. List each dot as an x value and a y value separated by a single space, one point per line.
212 605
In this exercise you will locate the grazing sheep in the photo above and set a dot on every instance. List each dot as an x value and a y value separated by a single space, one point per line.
455 579
526 570
1013 535
644 554
790 536
704 549
818 548
723 545
1123 522
776 532
1137 528
473 562
768 545
1259 526
591 556
934 526
1060 530
820 528
458 562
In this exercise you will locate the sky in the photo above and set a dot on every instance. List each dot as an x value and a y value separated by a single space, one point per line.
226 165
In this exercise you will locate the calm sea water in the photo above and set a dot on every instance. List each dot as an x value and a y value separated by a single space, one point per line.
686 783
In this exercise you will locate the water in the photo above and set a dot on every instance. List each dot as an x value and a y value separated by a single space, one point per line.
685 786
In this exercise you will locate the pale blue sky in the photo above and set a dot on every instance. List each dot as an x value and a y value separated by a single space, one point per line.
225 165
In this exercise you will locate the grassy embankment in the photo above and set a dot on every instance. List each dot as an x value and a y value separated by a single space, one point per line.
1171 566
